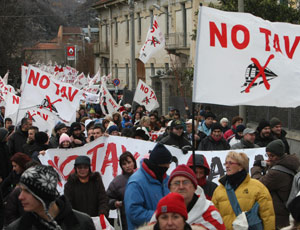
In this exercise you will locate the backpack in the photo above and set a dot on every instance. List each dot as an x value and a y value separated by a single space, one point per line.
295 188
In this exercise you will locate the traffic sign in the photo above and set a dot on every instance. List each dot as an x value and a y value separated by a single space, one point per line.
116 82
71 52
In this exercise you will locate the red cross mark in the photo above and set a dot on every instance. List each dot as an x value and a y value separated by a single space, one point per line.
153 41
51 103
261 73
146 100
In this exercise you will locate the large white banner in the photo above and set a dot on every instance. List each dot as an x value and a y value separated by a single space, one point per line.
245 60
144 95
107 102
105 151
58 97
155 41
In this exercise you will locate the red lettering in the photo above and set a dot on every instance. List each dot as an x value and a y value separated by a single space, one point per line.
93 152
235 42
57 88
142 87
276 44
63 92
154 27
16 99
136 155
290 52
111 150
46 83
267 35
33 77
214 32
54 165
72 95
63 165
45 117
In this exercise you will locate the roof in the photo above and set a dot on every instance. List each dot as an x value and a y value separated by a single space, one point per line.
45 46
101 2
71 30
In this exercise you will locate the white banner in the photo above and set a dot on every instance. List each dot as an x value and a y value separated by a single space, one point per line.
244 60
59 98
155 41
12 103
107 102
80 81
105 152
144 95
24 70
6 88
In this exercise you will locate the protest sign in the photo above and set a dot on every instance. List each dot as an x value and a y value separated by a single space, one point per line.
107 102
245 60
144 95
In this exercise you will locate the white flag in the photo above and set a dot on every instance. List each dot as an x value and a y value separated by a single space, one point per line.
144 95
44 91
155 41
5 78
107 102
245 60
12 103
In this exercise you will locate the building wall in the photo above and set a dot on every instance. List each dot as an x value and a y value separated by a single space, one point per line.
43 56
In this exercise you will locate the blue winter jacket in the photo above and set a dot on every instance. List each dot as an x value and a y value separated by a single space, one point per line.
142 194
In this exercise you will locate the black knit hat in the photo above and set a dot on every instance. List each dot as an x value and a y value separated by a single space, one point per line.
240 128
41 138
276 147
216 125
41 182
59 126
209 114
160 155
262 124
75 126
82 160
274 121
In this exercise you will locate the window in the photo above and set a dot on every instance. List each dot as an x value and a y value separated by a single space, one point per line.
152 69
116 31
116 71
127 74
184 26
127 28
167 21
151 18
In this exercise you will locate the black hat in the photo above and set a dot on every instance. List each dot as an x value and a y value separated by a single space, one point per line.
82 160
75 126
141 133
240 128
294 208
160 155
41 138
274 121
59 126
209 114
216 125
276 147
262 124
176 124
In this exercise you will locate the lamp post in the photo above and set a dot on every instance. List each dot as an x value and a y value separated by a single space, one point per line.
132 45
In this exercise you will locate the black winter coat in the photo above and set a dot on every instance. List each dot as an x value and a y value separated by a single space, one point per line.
16 141
175 140
5 164
10 183
89 197
209 144
13 207
67 219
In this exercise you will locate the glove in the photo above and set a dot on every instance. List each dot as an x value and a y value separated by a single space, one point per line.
186 148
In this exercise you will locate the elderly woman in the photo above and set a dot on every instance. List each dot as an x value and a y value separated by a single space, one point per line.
247 191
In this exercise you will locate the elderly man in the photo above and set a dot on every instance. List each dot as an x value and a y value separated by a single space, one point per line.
146 187
247 140
200 210
278 178
43 208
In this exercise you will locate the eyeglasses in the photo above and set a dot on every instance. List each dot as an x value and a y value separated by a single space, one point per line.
177 183
230 163
270 155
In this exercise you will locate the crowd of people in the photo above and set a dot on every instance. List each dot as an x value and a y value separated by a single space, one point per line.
146 197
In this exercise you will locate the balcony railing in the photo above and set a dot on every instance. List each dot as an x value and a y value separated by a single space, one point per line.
177 40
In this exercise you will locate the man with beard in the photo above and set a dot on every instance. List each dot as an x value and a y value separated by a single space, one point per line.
263 134
59 129
279 133
146 187
27 147
247 141
77 137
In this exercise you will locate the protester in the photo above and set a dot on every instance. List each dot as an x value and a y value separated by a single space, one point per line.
5 165
65 141
263 134
294 208
247 140
146 187
170 115
176 136
126 121
202 171
237 120
41 144
154 123
137 118
7 122
117 119
44 209
85 189
141 133
171 213
200 210
224 123
59 129
116 188
98 131
76 135
18 161
278 177
19 137
247 191
279 133
238 135
27 147
113 130
215 140
189 130
128 109
205 126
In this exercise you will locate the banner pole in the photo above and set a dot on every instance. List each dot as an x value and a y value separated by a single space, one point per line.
193 136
